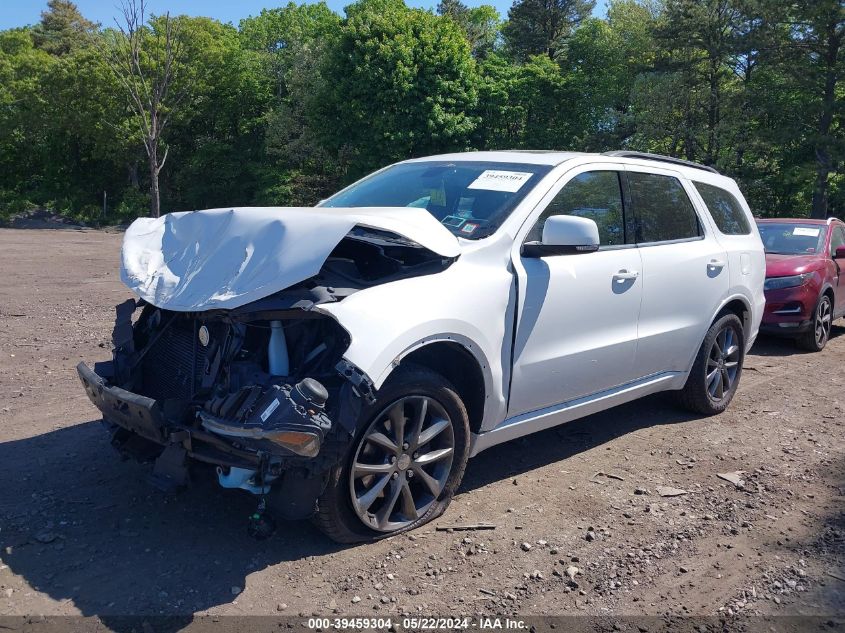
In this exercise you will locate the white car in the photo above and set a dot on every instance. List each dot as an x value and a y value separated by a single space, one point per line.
347 360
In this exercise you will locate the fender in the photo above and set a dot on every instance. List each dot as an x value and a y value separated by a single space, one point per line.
448 337
471 304
722 304
494 401
828 286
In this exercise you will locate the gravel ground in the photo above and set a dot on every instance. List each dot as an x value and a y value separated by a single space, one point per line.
587 521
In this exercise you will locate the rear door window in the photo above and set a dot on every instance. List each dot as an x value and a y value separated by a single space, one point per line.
662 209
725 208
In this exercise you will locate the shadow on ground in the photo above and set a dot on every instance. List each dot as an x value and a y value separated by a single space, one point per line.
84 527
81 526
562 442
767 345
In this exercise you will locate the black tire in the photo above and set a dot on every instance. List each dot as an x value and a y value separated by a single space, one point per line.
701 393
336 516
815 339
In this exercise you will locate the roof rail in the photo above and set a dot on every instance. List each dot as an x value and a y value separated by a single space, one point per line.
833 218
659 158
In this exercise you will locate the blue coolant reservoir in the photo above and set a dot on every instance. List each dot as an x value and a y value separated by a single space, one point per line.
277 350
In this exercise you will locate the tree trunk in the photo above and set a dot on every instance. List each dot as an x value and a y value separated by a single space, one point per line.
132 171
819 210
152 153
689 141
155 205
712 112
824 161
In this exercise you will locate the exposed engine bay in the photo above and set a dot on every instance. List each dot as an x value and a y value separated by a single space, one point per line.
261 391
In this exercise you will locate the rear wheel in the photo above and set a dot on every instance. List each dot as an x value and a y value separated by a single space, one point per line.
715 374
817 336
405 463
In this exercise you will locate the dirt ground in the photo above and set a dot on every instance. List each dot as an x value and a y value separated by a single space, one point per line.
581 526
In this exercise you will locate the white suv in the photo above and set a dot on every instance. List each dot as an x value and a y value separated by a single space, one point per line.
347 360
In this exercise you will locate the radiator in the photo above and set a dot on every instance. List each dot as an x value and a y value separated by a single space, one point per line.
173 366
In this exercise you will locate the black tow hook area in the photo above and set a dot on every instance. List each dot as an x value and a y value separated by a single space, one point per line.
170 471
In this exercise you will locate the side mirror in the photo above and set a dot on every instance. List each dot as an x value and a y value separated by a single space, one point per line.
839 253
565 235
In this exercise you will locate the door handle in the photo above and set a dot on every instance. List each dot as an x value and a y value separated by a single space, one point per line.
717 263
625 275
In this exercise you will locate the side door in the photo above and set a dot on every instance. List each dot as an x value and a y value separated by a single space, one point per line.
685 270
576 331
837 238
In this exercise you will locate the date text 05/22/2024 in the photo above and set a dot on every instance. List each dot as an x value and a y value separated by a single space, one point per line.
418 623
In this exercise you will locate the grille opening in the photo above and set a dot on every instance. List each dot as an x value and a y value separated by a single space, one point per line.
175 364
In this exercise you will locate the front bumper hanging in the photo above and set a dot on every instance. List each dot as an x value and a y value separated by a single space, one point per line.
282 421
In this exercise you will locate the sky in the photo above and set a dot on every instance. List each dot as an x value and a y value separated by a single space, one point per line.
22 12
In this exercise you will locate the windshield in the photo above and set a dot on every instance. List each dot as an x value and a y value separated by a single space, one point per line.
469 198
789 238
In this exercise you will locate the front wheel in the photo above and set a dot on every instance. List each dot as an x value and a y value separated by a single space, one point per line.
817 336
405 462
715 374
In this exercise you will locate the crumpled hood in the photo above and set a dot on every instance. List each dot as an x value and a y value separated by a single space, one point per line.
226 258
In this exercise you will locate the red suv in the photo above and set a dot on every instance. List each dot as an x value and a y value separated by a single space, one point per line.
805 284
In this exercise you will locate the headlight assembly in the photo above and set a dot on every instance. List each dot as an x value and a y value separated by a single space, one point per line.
779 283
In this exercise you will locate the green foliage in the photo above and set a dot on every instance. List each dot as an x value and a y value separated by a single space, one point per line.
500 111
216 138
282 34
541 27
297 101
22 103
133 203
62 28
479 24
399 83
293 40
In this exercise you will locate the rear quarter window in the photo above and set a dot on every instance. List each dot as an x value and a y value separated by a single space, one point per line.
725 208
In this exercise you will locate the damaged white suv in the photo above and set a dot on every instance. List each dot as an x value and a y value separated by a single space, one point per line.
345 361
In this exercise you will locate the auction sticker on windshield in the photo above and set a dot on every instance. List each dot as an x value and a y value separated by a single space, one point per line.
800 230
495 180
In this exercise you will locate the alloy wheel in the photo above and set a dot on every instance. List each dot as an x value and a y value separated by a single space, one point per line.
402 463
723 363
822 322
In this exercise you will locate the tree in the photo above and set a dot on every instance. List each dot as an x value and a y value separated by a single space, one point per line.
281 33
479 24
218 134
600 82
148 61
500 111
531 105
293 41
90 139
540 27
816 62
399 83
700 39
297 100
22 132
62 28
